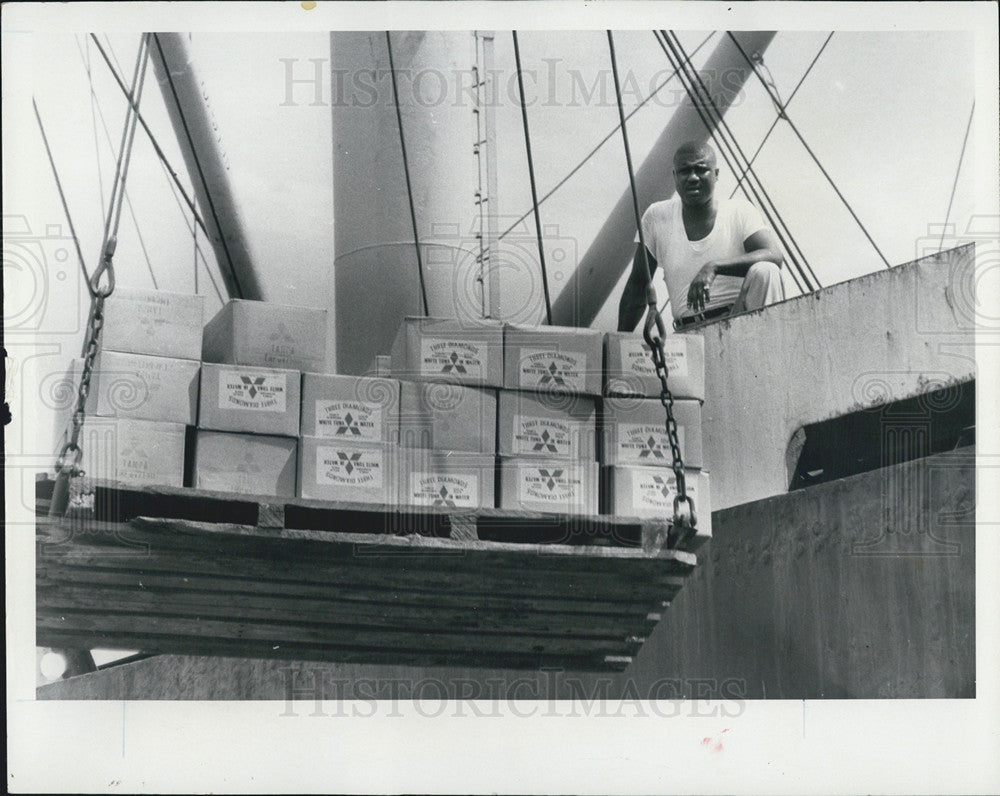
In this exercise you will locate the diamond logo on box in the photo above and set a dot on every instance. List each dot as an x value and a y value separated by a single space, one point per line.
349 468
549 484
357 420
541 435
263 393
448 491
646 443
551 370
281 346
462 358
657 491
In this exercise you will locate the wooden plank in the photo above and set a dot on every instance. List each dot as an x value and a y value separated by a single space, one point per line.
288 634
117 502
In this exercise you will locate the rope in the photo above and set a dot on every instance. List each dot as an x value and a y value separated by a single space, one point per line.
62 195
812 154
93 117
716 128
602 142
531 176
781 112
406 170
198 168
958 169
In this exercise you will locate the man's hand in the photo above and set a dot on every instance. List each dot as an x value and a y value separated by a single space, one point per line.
700 290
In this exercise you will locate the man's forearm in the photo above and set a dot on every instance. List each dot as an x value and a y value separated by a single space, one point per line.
738 266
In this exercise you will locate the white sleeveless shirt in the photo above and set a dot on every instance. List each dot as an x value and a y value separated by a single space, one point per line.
680 258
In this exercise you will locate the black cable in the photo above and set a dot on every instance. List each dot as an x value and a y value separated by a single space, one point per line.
406 170
602 142
781 111
531 176
720 143
197 163
958 170
819 165
793 249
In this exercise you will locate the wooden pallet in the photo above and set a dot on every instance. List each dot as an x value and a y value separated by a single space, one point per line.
356 584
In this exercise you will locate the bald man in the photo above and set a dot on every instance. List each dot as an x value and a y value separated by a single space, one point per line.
719 257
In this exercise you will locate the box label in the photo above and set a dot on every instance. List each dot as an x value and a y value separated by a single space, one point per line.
645 443
555 485
447 490
544 369
542 435
657 492
280 346
636 359
134 462
358 420
256 392
457 357
349 467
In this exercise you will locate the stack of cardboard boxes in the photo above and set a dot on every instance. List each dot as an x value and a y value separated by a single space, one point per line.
144 387
249 412
461 414
637 476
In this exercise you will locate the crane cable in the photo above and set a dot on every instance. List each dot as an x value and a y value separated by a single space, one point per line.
958 170
654 333
68 462
678 56
812 154
406 171
531 177
715 129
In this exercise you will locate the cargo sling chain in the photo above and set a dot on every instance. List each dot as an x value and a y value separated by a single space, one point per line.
654 332
68 463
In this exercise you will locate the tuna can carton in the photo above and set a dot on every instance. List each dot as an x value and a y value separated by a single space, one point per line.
353 408
137 452
142 387
268 335
449 350
249 399
649 492
447 417
153 322
446 479
550 485
245 463
547 425
558 359
349 471
629 366
634 432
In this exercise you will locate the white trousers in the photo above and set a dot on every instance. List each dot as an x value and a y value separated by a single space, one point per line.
761 286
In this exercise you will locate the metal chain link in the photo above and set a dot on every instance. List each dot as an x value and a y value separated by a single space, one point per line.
654 333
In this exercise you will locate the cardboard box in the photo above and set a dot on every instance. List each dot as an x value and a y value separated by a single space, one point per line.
552 485
629 367
350 407
446 479
634 432
153 322
248 399
245 463
450 350
547 425
447 417
138 452
142 387
344 470
650 491
268 335
553 359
